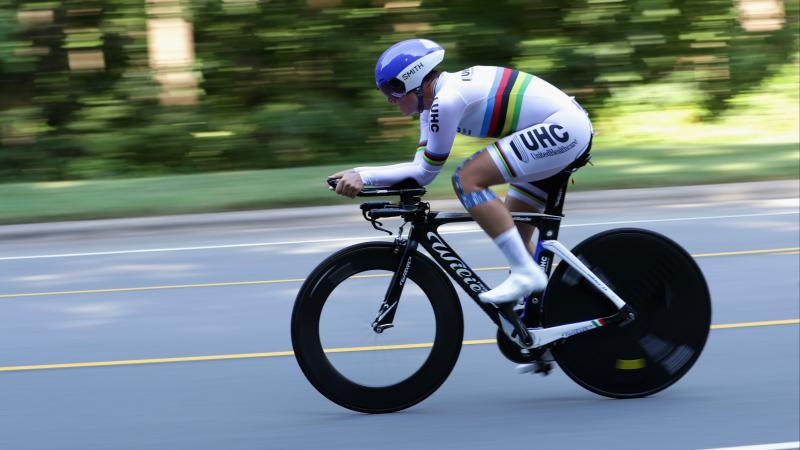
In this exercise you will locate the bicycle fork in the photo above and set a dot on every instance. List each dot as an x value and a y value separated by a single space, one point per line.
388 309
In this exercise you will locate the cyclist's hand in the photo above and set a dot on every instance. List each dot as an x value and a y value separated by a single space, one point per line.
333 180
349 183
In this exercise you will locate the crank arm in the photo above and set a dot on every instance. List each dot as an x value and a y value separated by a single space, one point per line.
513 327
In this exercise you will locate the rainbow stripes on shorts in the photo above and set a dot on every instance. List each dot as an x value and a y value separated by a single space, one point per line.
501 157
524 192
504 102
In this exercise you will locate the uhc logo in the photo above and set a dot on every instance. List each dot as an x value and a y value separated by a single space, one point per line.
435 115
540 137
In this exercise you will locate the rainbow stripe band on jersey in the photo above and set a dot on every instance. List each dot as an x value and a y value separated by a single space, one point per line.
504 103
421 147
434 159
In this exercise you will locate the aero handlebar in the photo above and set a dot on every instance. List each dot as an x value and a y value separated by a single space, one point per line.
403 189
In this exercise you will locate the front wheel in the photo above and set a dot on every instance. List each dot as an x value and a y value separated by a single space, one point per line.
665 287
350 363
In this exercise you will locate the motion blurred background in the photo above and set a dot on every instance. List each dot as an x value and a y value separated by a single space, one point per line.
104 103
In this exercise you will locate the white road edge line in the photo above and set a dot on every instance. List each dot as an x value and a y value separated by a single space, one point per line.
361 238
780 446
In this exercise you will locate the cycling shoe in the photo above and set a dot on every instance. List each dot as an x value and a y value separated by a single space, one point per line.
515 287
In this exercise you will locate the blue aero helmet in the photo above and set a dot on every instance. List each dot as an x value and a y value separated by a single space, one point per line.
402 67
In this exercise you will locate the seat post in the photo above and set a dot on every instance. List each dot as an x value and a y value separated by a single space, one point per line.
558 183
555 197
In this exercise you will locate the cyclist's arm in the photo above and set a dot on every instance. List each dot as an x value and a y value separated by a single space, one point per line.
437 131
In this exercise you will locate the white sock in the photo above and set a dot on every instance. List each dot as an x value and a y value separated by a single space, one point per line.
510 243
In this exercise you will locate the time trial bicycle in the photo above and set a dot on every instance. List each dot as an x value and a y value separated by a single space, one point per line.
626 313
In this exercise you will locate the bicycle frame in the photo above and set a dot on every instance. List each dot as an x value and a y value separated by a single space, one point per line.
424 231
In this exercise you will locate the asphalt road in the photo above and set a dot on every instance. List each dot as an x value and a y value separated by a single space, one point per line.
178 338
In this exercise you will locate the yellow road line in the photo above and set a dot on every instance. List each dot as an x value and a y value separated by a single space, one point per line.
300 280
747 252
145 361
767 323
373 348
331 350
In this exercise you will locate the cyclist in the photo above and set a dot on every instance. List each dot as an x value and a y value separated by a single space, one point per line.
541 130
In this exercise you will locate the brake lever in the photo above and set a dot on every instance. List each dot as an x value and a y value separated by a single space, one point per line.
375 221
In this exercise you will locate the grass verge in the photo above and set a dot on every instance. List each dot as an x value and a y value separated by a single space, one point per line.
613 168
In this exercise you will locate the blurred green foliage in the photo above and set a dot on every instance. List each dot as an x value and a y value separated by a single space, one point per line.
289 83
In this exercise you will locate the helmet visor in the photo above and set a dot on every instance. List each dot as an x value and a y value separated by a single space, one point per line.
393 88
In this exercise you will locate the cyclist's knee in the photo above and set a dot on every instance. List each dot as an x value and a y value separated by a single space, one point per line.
472 179
466 181
470 176
469 192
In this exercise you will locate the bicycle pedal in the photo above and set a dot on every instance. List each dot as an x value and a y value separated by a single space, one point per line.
526 368
543 367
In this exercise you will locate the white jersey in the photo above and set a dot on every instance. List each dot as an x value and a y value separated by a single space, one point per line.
480 101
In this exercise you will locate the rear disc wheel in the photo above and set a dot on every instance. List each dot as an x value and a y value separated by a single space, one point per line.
665 287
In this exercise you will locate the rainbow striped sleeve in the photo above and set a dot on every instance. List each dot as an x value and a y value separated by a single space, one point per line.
504 103
434 159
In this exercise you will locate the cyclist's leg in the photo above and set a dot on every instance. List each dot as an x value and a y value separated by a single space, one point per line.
524 197
525 230
535 153
471 182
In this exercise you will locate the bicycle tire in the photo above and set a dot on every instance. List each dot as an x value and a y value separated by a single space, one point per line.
666 288
309 352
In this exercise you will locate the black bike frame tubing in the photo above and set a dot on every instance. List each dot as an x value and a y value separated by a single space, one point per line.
427 234
548 229
424 231
458 270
